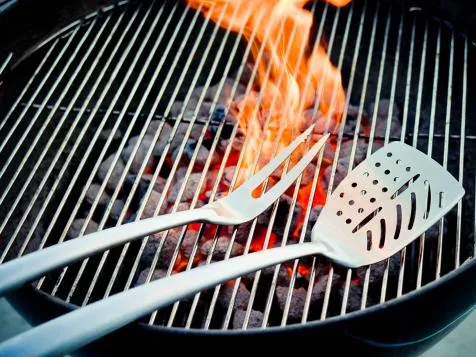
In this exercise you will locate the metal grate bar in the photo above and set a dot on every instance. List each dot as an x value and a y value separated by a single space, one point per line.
383 292
461 147
403 253
5 63
447 132
416 129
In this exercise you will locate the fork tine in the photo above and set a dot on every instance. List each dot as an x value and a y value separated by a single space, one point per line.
286 181
269 168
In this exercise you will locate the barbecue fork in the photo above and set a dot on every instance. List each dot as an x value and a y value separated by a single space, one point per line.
236 208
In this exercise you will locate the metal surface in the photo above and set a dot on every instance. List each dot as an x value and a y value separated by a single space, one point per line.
132 76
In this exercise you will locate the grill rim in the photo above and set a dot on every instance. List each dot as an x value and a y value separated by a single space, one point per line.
468 267
401 299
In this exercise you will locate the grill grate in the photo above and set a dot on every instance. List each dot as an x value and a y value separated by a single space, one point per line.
87 91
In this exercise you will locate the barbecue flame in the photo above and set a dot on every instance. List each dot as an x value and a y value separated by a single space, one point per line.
289 75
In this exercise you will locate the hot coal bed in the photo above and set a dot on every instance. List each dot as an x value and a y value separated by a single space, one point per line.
190 157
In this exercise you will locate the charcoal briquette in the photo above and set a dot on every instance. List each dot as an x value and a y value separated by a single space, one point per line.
221 247
157 274
116 173
241 299
255 320
77 226
93 192
296 306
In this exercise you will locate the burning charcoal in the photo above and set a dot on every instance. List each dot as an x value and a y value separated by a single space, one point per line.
191 187
116 209
139 156
146 138
157 274
228 174
383 109
167 251
182 206
242 233
255 320
153 127
159 182
284 275
322 123
226 91
241 298
377 270
320 286
220 112
163 139
77 226
313 215
93 192
202 155
298 299
346 150
115 174
180 173
220 248
188 243
308 174
263 218
339 175
245 75
353 110
151 205
354 299
282 215
106 133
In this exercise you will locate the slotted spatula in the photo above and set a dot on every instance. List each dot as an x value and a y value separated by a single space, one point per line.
386 202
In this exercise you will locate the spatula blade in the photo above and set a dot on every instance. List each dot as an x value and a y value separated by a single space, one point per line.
385 203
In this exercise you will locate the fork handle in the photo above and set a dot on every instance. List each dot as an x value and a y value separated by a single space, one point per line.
84 325
17 272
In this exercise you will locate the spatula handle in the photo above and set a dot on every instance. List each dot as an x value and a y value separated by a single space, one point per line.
82 326
19 271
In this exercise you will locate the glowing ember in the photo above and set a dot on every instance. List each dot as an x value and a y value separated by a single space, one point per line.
289 75
260 239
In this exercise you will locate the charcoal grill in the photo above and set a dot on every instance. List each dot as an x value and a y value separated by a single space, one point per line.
74 98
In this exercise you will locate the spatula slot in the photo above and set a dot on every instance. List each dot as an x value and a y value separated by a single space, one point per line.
412 211
382 233
405 186
399 222
440 203
369 240
366 219
428 200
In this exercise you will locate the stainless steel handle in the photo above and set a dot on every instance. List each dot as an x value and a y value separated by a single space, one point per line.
75 329
17 272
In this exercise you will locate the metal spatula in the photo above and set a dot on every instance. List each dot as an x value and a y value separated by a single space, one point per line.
381 206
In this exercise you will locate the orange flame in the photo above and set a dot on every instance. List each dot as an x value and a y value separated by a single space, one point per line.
289 75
